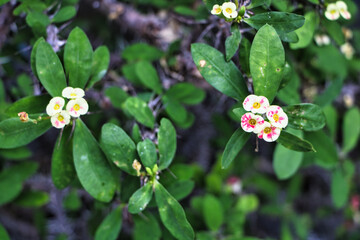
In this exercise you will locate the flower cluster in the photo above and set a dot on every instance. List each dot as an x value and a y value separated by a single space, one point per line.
74 108
228 9
334 10
322 39
254 121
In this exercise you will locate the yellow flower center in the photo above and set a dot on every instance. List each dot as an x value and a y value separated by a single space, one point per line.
256 105
76 107
252 122
218 10
276 117
333 11
56 107
267 130
72 94
60 118
228 10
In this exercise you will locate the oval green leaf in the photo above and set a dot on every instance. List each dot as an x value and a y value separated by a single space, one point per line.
286 162
232 42
306 32
110 227
100 65
148 76
186 93
140 199
147 153
295 143
140 111
351 129
64 14
234 146
31 105
166 143
213 212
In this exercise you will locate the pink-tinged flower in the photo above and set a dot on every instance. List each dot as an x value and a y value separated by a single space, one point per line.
216 10
229 10
55 105
256 104
77 107
235 185
24 117
269 133
59 120
332 12
342 8
251 122
73 93
355 202
277 116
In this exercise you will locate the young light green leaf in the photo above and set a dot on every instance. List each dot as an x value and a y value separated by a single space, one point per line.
186 93
213 212
78 57
14 133
49 69
3 234
222 75
295 143
286 162
166 143
100 65
110 227
267 60
140 199
91 166
62 162
247 203
140 111
146 228
172 214
306 32
244 55
234 146
232 42
64 14
12 178
147 153
305 116
351 129
31 105
141 51
148 76
118 147
282 22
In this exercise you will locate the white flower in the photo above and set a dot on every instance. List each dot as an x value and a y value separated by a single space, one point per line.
322 39
60 119
342 8
269 133
55 105
347 50
256 104
73 93
229 10
332 12
251 122
77 107
277 116
216 10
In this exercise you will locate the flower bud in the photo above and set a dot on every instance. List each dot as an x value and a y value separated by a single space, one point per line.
24 117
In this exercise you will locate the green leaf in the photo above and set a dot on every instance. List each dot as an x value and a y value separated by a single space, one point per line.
290 37
244 55
147 153
331 92
78 58
33 56
100 65
140 111
213 212
91 166
136 133
258 3
174 109
146 228
247 203
12 178
181 189
16 153
222 75
62 161
306 32
232 42
32 199
166 143
282 22
110 227
31 105
14 133
351 129
295 143
267 60
286 162
141 51
49 69
25 84
140 199
3 234
334 30
172 214
72 201
117 96
148 76
186 93
331 116
234 146
38 22
129 72
305 116
118 147
64 14
340 188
